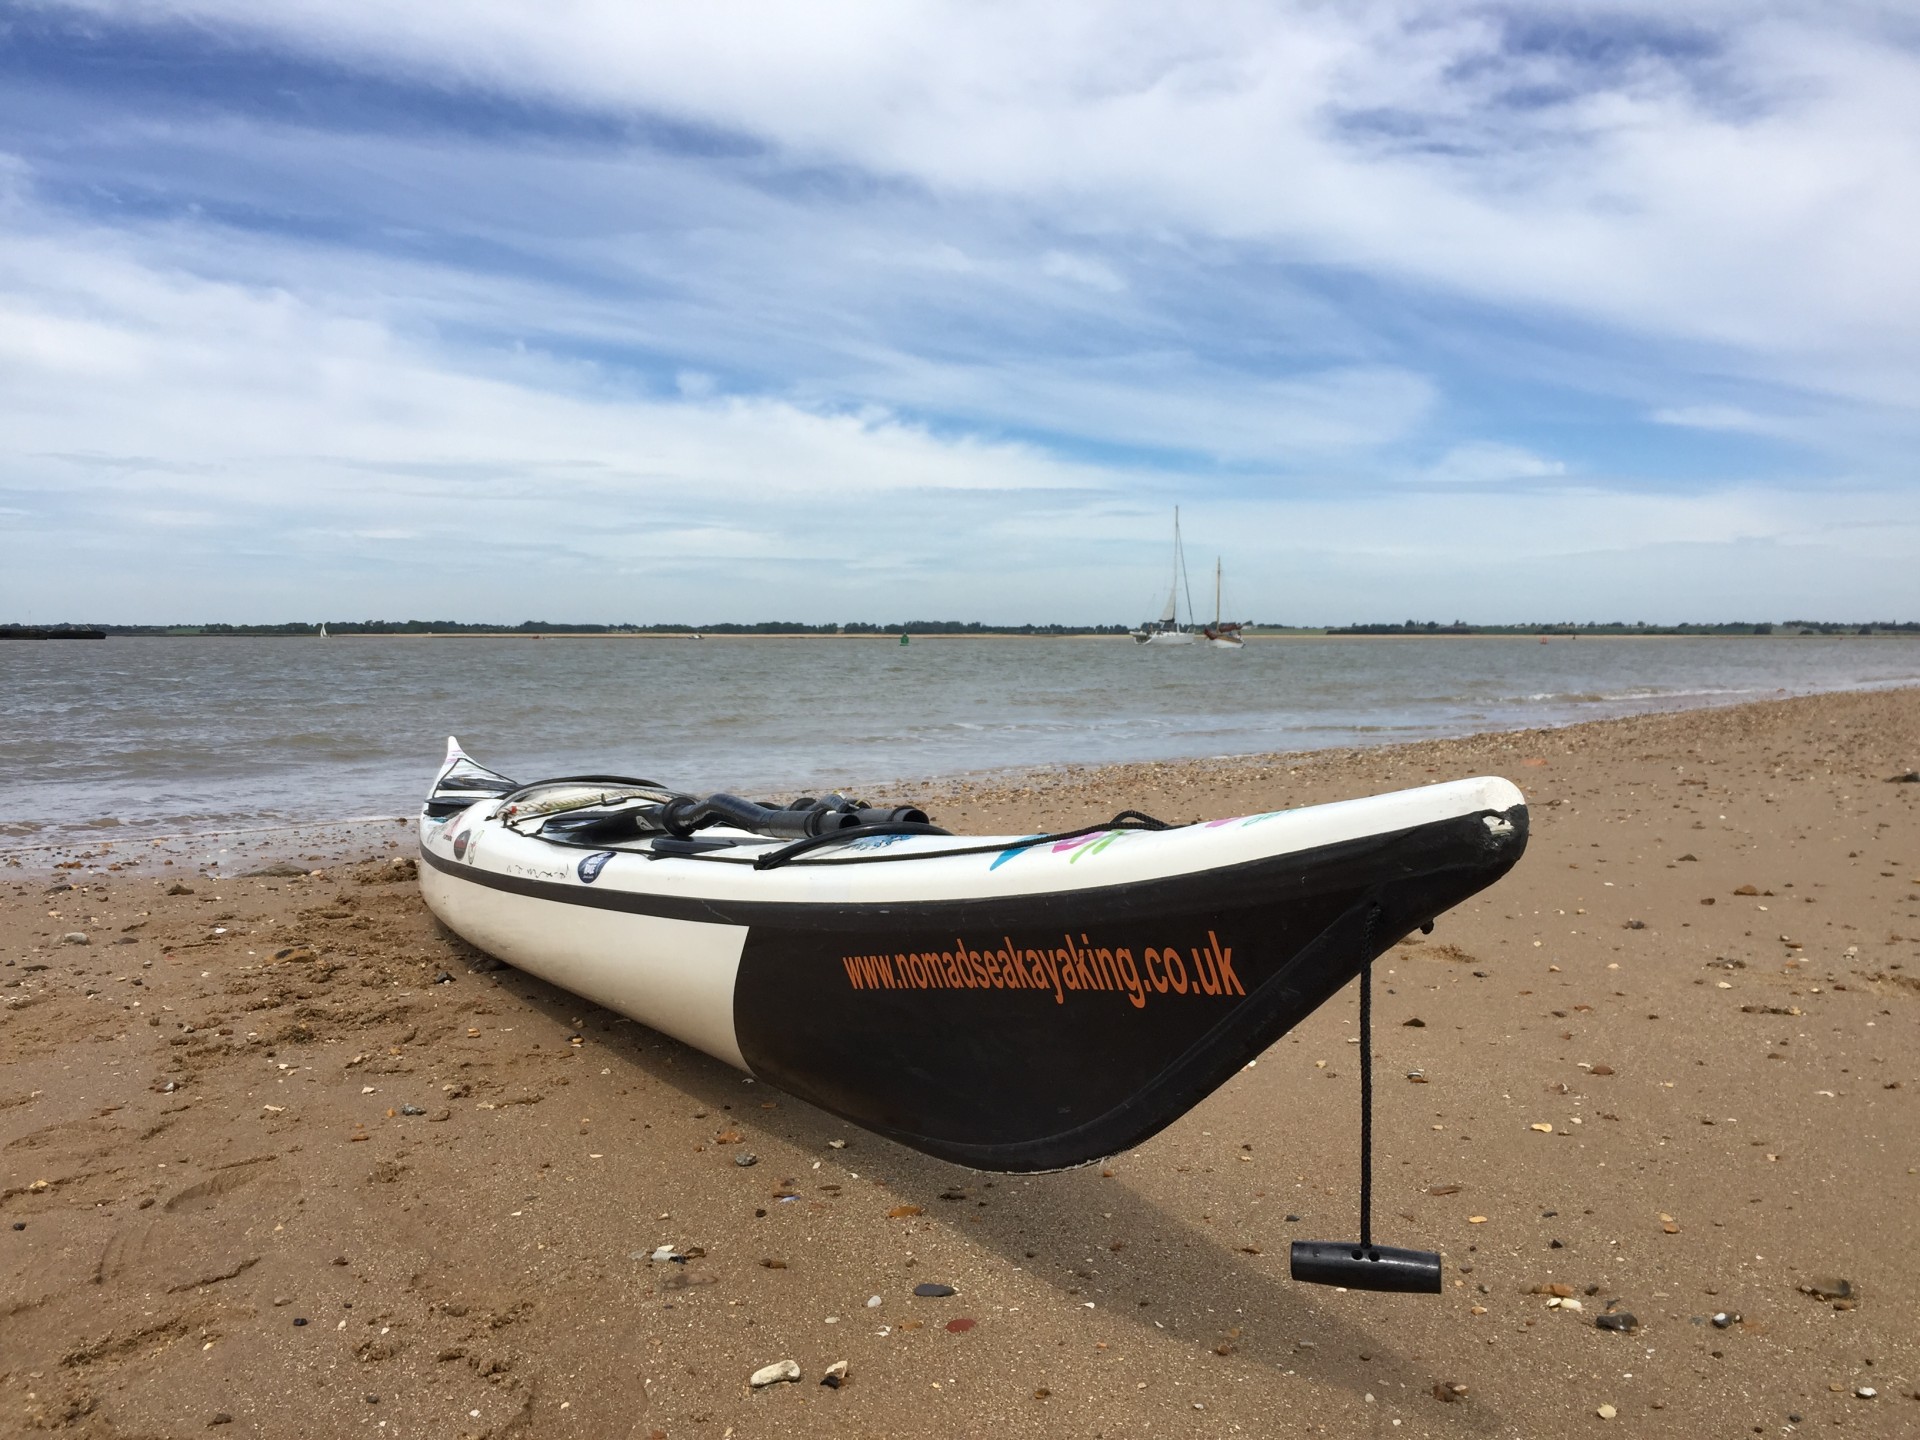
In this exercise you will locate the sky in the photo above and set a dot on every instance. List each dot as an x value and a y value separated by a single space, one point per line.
895 309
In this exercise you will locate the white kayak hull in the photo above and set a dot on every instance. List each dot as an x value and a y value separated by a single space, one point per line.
1002 1004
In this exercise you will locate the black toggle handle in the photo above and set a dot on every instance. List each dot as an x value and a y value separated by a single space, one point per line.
1368 1267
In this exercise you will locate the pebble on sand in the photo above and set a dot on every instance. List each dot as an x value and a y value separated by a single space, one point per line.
1828 1289
836 1375
773 1374
1606 1412
930 1290
75 937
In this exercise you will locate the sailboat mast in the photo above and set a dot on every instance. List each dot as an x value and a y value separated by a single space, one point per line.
1180 562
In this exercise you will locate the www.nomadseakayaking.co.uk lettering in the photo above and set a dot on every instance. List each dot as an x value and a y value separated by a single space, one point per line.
1083 966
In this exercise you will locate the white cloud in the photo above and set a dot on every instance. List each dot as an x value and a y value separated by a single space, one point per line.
1713 417
1754 183
853 355
1487 462
1082 270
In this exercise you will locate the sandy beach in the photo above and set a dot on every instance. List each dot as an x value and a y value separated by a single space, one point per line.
280 1157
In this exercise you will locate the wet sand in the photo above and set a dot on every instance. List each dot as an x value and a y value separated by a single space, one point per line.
249 1103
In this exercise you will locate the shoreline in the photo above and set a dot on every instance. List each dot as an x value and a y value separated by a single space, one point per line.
270 844
280 1156
893 636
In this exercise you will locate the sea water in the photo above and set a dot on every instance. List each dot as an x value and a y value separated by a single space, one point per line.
141 736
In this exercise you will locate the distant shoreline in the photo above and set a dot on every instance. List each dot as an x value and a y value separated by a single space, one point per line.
920 636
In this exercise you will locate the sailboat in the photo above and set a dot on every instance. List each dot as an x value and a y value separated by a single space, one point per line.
323 630
1167 630
1222 634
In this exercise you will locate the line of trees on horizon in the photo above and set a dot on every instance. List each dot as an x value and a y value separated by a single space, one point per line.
952 627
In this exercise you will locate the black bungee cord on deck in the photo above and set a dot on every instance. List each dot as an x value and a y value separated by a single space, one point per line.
1367 1266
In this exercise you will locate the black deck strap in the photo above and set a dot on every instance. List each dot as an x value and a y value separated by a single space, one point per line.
774 859
1125 820
631 782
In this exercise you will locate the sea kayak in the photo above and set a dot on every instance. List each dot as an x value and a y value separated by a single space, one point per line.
1009 1003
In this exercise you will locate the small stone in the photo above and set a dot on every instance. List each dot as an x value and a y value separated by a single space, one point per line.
746 1159
1866 1392
1416 1023
1828 1289
443 978
1722 1320
75 937
19 1224
411 1110
873 1302
1634 925
836 1375
836 1144
1542 1127
371 1399
961 1324
773 1374
1606 1412
219 1417
930 1290
1624 1322
299 1320
1450 1391
179 889
663 1254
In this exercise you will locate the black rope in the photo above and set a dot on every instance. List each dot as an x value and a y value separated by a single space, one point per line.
774 859
1125 820
1366 1081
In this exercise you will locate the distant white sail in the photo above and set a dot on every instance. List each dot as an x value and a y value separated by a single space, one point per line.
1167 630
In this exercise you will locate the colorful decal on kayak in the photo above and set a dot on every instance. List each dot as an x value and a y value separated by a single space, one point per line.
592 865
1010 853
1069 966
460 844
876 842
1073 848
